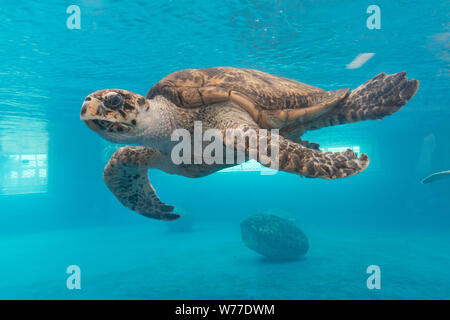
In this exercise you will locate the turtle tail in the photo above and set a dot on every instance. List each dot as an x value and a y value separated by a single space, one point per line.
377 98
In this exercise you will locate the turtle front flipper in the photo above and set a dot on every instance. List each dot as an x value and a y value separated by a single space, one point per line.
314 163
126 177
293 157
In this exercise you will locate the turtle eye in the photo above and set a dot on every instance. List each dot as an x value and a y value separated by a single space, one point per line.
113 100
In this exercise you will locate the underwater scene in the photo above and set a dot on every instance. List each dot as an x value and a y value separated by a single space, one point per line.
345 194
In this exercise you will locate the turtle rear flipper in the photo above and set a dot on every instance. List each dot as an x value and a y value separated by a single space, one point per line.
377 98
126 177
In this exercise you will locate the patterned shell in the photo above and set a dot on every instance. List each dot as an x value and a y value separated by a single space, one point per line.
268 98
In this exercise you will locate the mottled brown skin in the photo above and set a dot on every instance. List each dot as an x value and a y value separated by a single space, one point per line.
100 109
126 176
230 98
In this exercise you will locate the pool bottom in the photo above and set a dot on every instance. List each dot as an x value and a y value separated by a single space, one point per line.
142 262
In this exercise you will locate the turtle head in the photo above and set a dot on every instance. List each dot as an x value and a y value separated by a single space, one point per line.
114 114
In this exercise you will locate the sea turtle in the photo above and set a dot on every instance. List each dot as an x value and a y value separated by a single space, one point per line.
231 98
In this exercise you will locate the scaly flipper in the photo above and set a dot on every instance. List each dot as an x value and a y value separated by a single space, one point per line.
126 177
377 98
295 158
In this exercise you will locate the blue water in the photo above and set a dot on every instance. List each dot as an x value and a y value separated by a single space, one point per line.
55 210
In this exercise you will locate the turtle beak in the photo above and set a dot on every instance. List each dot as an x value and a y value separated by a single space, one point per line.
99 119
92 109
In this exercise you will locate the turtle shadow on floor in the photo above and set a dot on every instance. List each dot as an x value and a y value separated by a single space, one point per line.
266 260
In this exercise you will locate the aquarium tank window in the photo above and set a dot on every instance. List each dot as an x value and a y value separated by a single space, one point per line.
24 173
